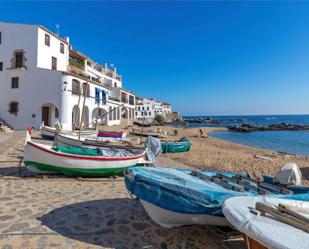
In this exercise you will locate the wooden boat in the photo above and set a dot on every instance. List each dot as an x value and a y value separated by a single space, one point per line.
72 140
182 145
112 134
78 161
179 197
140 124
145 133
266 231
48 133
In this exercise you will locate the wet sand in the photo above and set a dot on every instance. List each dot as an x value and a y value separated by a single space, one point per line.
62 212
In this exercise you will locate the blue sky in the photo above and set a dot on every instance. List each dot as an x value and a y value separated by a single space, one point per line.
203 57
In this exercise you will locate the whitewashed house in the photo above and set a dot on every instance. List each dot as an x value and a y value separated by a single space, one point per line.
42 79
148 108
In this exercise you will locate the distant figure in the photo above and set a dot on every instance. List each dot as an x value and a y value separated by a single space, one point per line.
201 132
175 132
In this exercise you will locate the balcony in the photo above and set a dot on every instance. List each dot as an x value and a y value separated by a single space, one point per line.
114 99
76 70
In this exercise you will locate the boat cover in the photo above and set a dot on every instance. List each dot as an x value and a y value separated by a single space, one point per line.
176 190
183 145
153 148
267 231
77 151
108 152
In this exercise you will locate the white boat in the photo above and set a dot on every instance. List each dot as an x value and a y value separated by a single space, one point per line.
72 140
49 132
179 197
170 219
40 158
266 231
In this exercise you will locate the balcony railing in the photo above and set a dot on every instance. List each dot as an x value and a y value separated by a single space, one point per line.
76 70
114 99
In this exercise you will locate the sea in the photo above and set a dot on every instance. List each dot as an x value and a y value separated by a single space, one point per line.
295 142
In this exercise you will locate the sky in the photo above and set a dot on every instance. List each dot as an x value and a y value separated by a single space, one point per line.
205 58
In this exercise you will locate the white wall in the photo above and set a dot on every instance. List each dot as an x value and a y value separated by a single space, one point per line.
15 37
45 53
35 89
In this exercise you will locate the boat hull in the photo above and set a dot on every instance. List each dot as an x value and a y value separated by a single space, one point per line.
71 141
40 158
170 219
48 133
177 147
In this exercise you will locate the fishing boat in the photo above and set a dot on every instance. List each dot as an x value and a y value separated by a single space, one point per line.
112 134
72 140
140 124
48 133
271 230
145 133
178 197
74 161
182 145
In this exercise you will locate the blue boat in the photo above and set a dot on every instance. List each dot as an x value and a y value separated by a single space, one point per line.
177 197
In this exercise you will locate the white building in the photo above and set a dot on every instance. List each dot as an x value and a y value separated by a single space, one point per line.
148 108
43 79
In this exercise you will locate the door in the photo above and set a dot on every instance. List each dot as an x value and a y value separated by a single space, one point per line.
45 115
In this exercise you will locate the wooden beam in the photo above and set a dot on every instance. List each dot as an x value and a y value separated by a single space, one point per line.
285 218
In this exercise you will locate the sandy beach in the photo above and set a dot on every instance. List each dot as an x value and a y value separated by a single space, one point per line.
62 212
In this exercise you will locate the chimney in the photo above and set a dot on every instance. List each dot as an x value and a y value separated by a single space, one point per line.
105 65
67 39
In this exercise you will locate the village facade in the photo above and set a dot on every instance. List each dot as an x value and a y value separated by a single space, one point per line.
44 80
148 108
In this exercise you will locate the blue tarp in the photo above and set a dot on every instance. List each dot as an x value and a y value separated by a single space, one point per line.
176 190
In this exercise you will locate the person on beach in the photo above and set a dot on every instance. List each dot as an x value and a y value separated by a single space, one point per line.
201 132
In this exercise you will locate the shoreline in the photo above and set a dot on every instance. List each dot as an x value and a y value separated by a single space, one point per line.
220 155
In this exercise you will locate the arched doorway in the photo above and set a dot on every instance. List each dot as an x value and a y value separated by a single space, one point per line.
124 113
49 114
99 112
75 117
85 116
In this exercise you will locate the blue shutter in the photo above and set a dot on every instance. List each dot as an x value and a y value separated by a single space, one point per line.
97 95
103 97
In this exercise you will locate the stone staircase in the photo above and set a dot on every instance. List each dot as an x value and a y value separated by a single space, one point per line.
4 127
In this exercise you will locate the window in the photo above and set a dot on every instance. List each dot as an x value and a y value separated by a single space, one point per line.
1 66
13 108
15 82
147 108
131 99
56 113
115 84
61 48
54 63
47 40
19 59
143 108
149 113
75 87
0 37
136 113
97 95
86 89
